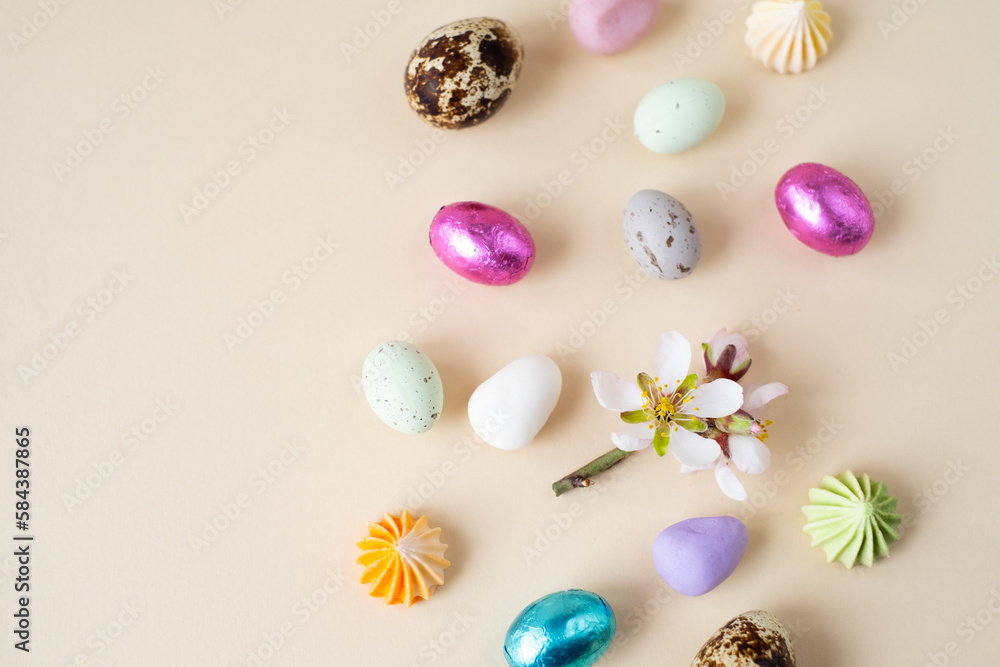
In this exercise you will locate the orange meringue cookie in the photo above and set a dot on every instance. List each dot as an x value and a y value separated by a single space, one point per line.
404 559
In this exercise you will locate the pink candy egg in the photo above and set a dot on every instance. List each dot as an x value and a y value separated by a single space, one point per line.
604 27
482 243
824 209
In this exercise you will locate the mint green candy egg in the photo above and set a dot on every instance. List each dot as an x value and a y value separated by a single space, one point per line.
679 115
403 387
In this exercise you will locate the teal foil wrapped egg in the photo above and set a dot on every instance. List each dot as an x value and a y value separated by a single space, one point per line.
566 629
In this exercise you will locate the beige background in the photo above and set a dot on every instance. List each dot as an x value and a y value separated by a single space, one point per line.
189 282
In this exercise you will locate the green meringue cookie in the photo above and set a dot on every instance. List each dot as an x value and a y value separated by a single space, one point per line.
852 519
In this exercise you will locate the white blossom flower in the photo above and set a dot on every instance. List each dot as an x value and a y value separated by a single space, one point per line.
705 423
670 409
746 450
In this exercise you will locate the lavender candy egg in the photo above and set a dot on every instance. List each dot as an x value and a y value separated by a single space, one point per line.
696 555
482 243
824 209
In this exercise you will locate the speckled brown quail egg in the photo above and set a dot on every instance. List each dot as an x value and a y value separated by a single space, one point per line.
463 72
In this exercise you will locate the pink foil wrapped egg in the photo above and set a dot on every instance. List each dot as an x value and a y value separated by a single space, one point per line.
482 243
604 27
824 209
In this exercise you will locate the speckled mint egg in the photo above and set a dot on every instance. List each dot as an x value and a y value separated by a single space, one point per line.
679 115
403 387
661 235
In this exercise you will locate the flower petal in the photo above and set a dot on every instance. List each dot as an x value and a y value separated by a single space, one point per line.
615 393
757 398
728 482
693 450
687 470
672 360
749 454
718 398
633 437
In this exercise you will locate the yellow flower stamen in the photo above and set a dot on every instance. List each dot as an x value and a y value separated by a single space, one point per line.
662 410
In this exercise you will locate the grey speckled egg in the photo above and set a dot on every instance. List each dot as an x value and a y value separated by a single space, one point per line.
749 640
661 235
462 73
403 387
